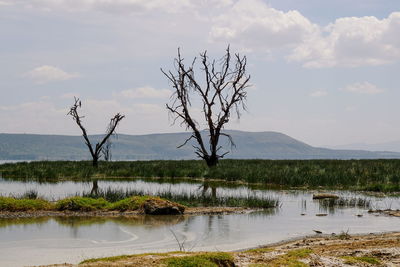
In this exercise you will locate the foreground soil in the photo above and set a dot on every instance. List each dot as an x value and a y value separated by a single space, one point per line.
335 250
188 211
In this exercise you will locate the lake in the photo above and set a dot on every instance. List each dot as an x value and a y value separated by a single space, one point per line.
59 239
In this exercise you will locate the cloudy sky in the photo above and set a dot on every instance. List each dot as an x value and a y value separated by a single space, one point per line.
324 72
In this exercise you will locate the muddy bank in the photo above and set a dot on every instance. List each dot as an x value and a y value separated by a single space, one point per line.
188 211
388 212
337 250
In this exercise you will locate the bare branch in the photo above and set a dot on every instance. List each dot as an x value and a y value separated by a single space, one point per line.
223 90
98 148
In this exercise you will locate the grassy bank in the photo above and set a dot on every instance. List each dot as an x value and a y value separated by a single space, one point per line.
371 175
73 204
104 202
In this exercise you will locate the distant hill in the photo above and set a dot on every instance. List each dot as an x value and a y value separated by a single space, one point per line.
387 146
249 145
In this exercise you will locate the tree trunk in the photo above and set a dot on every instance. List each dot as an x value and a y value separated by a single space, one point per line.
95 188
212 160
95 162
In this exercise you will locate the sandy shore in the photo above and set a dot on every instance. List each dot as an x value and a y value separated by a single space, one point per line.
339 250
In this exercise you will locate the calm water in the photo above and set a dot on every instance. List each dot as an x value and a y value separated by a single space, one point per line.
57 240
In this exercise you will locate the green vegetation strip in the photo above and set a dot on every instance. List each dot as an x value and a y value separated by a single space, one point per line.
210 259
190 199
132 203
364 259
73 204
372 175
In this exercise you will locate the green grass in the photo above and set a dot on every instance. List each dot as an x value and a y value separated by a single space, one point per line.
190 199
108 259
210 259
82 204
13 204
131 203
363 259
73 204
373 175
292 258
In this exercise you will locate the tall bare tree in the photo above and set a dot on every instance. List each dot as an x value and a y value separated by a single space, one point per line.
97 149
222 92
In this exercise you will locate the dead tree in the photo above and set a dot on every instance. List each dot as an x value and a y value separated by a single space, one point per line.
106 150
222 92
97 149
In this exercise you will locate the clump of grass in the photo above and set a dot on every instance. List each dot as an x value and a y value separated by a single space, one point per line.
13 204
291 258
363 259
123 257
81 204
259 250
108 259
354 202
344 235
132 203
191 199
30 194
210 259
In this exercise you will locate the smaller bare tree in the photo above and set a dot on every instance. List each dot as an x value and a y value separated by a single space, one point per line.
222 92
106 151
98 148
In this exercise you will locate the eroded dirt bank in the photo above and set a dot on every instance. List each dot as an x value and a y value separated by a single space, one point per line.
337 250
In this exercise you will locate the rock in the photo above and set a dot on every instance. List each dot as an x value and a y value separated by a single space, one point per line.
324 195
156 206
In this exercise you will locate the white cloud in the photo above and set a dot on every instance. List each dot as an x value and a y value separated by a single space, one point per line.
347 42
352 42
363 88
319 93
5 3
46 73
145 92
255 25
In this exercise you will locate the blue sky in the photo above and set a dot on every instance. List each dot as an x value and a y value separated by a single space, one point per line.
324 72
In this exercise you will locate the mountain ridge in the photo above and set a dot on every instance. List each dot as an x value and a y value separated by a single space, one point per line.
249 145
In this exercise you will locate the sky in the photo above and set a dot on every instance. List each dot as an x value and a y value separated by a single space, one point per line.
324 72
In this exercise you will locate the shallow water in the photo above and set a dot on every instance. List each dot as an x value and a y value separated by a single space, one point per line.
59 190
57 240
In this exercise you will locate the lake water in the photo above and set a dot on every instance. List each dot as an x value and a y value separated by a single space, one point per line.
57 240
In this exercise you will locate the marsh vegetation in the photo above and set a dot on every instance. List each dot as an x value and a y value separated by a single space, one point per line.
369 175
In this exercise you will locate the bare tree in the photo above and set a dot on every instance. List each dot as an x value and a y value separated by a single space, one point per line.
106 150
96 150
223 91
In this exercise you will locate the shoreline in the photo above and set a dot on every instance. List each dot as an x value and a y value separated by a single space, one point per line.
316 250
112 214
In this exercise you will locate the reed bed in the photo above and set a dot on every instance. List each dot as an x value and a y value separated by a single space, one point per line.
372 175
190 199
